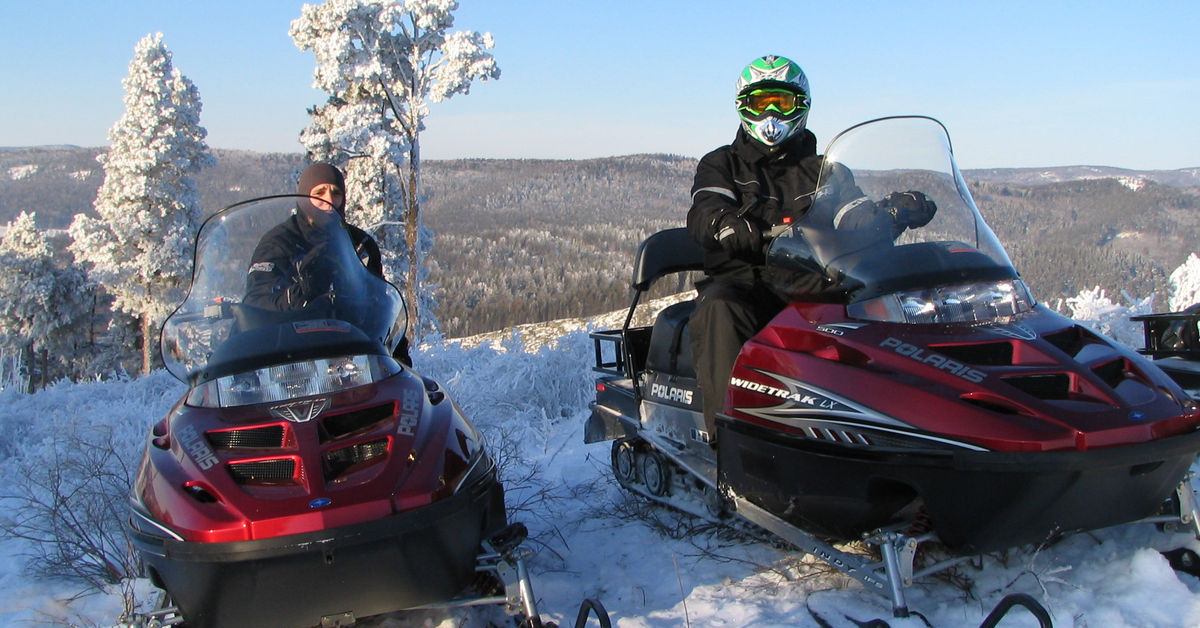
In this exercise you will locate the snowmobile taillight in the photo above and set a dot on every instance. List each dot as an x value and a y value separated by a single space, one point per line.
295 379
962 303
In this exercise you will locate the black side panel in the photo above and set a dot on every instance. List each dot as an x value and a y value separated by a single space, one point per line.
614 412
977 501
672 390
824 493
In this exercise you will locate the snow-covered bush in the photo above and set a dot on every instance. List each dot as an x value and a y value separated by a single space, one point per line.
1094 309
69 479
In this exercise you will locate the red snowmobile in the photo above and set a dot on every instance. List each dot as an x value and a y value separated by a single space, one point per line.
926 396
306 477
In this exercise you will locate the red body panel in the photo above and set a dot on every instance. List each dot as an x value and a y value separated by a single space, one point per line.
403 453
1001 387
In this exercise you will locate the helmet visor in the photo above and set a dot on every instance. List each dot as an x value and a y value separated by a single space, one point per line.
783 101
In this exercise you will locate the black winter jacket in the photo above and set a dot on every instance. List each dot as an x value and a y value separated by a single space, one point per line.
273 279
760 183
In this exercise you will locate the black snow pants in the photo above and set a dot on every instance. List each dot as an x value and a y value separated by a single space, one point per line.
729 310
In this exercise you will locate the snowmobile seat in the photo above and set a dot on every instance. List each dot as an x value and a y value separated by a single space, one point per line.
670 348
666 252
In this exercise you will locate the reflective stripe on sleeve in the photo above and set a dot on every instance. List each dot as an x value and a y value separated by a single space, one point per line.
726 192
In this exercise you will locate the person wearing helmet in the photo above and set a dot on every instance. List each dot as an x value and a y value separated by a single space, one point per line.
288 269
766 175
766 178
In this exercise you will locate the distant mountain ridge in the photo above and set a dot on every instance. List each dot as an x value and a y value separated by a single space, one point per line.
1181 178
76 167
527 240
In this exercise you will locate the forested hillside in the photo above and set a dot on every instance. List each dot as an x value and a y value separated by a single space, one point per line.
531 240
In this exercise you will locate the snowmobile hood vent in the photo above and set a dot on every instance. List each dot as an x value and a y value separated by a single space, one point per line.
1043 385
995 403
979 354
337 426
1113 372
262 437
342 460
275 471
1071 340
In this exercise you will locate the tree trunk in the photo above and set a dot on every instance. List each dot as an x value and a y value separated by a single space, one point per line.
27 362
412 240
147 354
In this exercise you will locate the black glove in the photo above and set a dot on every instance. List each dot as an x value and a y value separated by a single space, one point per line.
736 234
317 272
860 213
911 209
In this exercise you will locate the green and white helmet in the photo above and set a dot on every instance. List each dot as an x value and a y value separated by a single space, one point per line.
773 99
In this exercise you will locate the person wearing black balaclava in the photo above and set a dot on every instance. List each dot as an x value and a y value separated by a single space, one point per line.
289 267
287 270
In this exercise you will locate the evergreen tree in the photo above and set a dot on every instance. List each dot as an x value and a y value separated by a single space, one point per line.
148 206
41 304
382 62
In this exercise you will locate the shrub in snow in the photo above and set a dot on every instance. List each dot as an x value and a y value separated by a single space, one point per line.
69 457
1094 309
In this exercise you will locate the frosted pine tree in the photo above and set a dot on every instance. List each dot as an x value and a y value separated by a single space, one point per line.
42 305
382 62
140 247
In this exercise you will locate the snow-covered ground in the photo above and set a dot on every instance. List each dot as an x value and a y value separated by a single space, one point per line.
648 566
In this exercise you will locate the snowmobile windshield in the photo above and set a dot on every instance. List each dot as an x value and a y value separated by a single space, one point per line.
895 232
345 312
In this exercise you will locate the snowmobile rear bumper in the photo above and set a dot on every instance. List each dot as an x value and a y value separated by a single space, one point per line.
416 558
977 501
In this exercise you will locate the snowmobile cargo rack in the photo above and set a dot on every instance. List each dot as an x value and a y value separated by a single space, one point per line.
1172 340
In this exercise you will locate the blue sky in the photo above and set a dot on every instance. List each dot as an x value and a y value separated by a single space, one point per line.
1018 83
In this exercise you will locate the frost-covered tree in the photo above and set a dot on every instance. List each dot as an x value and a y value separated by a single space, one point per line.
1185 284
42 304
148 207
382 62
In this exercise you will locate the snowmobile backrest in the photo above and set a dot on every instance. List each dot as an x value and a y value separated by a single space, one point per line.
666 252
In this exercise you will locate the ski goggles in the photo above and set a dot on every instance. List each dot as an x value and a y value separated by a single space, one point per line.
785 102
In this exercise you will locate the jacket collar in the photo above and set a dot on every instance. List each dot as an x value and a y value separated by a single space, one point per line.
796 147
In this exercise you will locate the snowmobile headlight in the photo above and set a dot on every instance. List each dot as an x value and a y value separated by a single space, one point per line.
296 379
963 303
